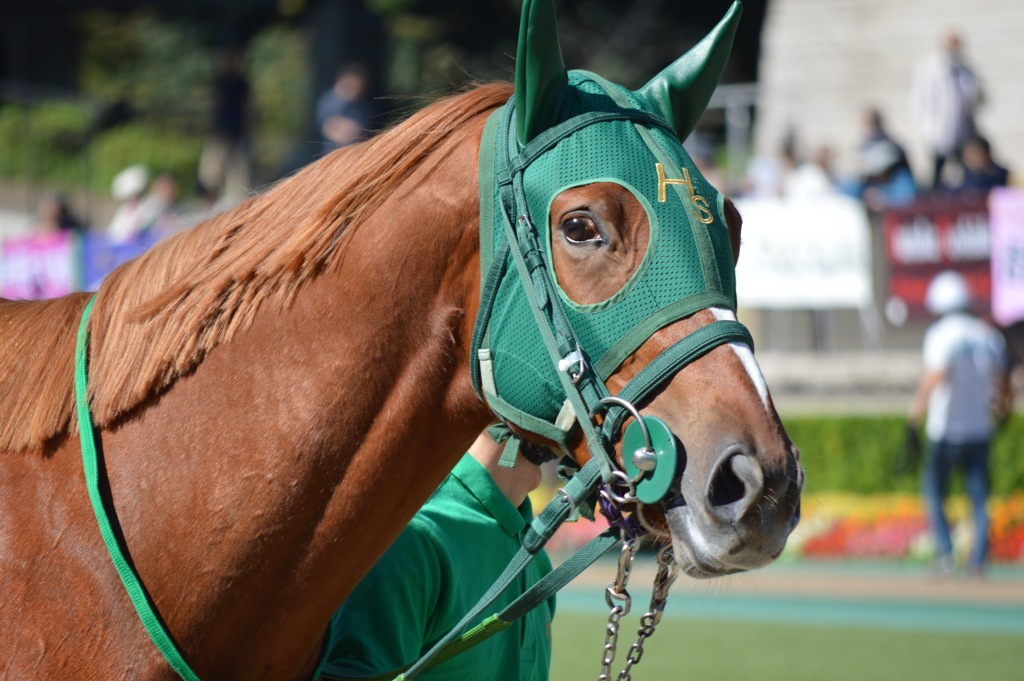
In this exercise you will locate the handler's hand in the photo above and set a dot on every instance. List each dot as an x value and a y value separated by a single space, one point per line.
912 451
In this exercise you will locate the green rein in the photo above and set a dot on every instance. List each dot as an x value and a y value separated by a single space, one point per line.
132 584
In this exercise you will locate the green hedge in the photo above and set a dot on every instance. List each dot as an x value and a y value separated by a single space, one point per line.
49 143
162 151
862 454
43 142
164 71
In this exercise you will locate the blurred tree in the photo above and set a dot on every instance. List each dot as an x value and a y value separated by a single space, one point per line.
435 45
439 45
156 59
278 63
139 61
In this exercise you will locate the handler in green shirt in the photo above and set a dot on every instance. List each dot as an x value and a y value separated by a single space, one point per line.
450 553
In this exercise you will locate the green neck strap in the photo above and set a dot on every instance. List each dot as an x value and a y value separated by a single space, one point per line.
132 584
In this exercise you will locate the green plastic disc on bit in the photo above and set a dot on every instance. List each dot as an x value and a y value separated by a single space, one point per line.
654 484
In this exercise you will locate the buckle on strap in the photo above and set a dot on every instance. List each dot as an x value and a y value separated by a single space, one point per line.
573 360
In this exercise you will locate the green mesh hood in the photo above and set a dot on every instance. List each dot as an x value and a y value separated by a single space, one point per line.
688 265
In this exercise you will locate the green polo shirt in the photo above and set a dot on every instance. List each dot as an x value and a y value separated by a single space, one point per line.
451 552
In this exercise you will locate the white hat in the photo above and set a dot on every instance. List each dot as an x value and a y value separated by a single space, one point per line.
130 182
947 293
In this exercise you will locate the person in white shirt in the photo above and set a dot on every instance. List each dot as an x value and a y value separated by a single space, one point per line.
945 95
963 390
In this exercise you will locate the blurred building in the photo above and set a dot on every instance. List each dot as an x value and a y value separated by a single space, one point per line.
823 62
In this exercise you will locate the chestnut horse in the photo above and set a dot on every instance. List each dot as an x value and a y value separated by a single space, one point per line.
276 391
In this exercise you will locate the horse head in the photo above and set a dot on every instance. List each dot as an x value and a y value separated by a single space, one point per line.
609 272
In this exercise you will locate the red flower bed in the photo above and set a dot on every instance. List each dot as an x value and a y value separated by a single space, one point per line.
856 530
1008 546
883 538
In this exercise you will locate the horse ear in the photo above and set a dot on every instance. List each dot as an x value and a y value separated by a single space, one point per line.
682 91
542 83
734 223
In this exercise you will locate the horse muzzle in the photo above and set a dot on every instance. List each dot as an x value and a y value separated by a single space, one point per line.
737 516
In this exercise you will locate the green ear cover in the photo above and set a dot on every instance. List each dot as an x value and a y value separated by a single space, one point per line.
681 92
542 82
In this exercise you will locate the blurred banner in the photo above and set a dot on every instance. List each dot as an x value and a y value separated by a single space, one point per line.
946 231
39 266
804 254
51 265
1006 212
100 256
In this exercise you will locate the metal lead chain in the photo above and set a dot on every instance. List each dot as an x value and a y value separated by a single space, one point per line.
619 601
667 573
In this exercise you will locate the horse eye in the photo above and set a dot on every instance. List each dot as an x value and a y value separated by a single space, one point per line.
581 230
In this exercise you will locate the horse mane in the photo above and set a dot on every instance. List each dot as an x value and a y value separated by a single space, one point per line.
157 317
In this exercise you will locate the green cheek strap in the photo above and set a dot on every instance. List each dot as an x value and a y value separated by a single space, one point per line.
652 464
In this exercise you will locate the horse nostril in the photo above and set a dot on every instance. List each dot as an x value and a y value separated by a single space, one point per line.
735 484
795 520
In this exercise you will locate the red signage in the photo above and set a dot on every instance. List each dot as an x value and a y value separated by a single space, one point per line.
935 234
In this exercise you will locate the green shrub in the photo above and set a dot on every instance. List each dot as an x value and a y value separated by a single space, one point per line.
49 142
159 149
278 63
13 124
161 68
45 141
862 454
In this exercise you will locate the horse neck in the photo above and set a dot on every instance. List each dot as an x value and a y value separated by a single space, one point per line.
300 449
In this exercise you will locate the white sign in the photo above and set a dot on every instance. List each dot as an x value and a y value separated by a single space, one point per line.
1006 208
810 253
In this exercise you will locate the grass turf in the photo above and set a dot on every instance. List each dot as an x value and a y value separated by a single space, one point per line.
726 651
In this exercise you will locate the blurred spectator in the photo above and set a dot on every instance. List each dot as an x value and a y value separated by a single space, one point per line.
945 95
702 151
981 172
54 215
887 179
965 382
811 178
877 140
343 111
884 175
765 175
141 212
159 212
224 165
1014 337
128 188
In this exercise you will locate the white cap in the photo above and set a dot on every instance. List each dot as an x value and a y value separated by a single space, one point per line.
947 293
130 182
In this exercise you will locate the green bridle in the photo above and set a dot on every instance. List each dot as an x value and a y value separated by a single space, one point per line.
540 360
533 349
